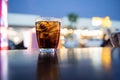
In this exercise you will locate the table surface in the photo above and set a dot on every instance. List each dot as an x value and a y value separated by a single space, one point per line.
95 63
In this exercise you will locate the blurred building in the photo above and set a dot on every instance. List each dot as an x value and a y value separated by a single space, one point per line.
22 28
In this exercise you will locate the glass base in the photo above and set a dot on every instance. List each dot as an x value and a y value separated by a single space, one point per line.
47 50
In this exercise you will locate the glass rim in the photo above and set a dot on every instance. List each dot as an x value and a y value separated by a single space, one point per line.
47 19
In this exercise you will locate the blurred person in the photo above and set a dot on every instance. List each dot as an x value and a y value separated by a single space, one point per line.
106 41
11 45
20 46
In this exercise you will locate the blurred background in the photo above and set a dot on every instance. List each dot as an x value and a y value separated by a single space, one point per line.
85 23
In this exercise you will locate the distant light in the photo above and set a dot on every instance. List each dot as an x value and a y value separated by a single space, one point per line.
70 31
106 22
64 31
89 32
96 21
16 39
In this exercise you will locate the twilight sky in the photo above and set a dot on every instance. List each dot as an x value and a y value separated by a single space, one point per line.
61 8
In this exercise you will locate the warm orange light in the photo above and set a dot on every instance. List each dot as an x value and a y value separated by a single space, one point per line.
106 22
106 58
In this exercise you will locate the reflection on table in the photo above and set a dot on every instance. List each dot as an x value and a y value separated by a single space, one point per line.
48 67
95 63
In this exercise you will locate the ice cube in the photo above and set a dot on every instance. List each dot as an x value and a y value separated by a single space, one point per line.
54 26
44 26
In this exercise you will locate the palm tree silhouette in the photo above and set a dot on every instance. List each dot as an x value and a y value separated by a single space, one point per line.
72 17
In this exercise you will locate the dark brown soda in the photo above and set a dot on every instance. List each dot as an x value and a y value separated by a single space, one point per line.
47 33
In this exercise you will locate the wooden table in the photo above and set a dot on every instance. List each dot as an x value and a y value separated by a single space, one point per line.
95 63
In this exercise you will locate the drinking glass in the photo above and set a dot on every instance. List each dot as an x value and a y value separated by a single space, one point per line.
47 33
115 39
